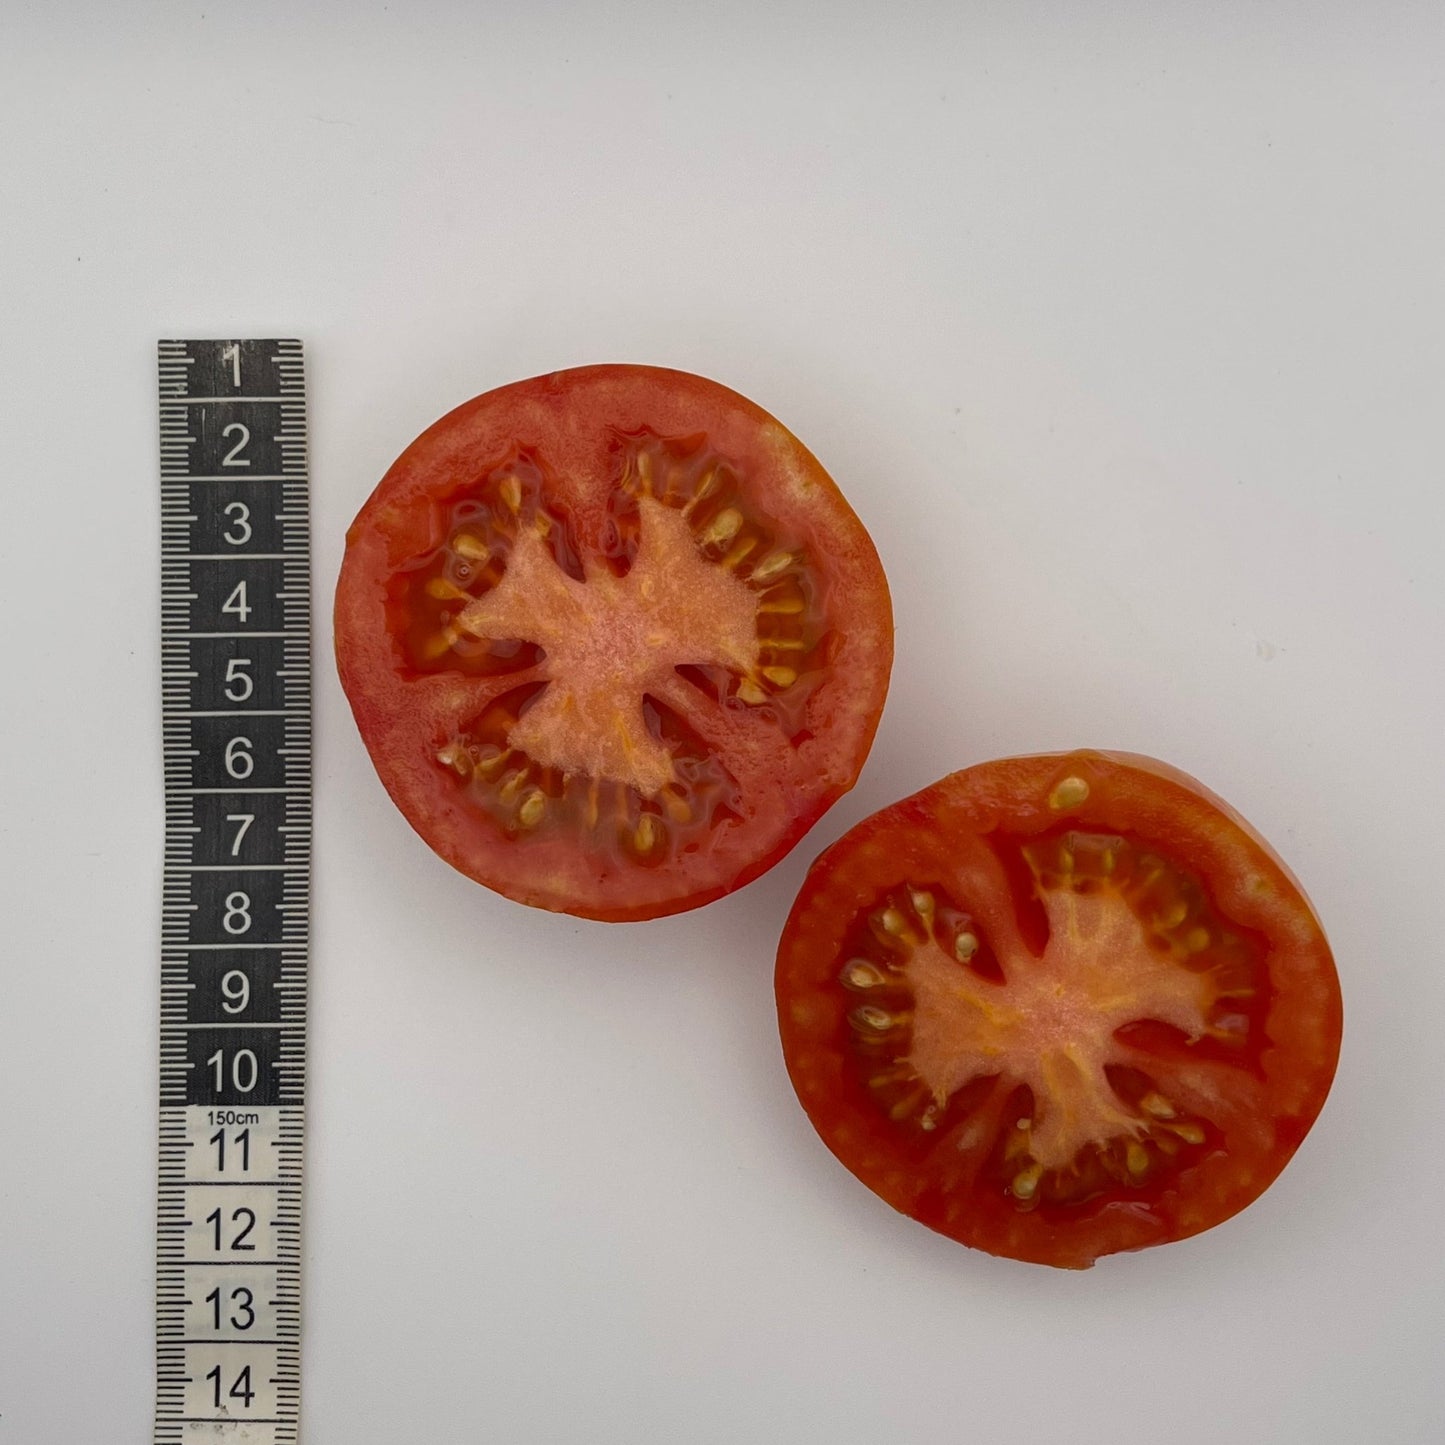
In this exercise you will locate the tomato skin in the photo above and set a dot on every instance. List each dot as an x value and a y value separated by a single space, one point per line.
569 418
940 838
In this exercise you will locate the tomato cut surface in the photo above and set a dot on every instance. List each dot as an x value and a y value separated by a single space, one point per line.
1056 1007
613 639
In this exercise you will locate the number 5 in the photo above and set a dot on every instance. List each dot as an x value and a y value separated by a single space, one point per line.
236 672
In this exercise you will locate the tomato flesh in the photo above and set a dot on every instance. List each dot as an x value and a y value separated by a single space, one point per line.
1059 1007
605 664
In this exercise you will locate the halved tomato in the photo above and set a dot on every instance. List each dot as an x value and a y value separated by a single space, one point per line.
614 640
1056 1007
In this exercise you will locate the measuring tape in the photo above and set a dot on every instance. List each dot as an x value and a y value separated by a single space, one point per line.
236 714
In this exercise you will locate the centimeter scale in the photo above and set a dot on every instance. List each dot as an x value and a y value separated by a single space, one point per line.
236 708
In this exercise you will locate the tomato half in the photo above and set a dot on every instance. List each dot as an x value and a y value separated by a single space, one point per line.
1056 1007
613 639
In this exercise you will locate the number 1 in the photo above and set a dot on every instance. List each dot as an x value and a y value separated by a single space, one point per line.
232 353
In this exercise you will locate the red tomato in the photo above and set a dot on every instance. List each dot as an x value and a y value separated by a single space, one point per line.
1055 1007
613 639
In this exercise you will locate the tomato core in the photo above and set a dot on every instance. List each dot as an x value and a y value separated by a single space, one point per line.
1129 939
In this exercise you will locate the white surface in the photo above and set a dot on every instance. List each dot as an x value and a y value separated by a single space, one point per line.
1120 325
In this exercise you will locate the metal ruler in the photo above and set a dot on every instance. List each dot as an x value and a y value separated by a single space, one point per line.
236 714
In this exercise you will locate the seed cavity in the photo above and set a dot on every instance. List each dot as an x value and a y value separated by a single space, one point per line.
1069 793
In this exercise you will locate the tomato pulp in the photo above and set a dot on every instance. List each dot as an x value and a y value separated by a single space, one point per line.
1056 1007
613 638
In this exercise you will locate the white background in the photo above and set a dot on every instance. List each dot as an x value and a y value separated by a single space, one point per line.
1121 327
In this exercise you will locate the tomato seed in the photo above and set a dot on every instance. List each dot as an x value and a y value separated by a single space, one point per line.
1172 916
1069 794
872 1019
723 527
440 643
786 606
1157 1106
739 551
445 591
859 973
1026 1183
773 565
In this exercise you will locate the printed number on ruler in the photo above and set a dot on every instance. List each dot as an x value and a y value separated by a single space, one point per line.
236 711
